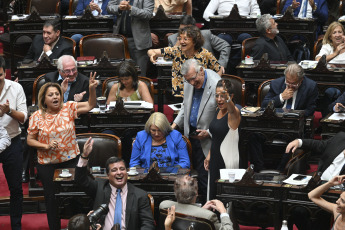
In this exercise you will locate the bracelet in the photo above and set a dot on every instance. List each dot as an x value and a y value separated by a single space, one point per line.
86 158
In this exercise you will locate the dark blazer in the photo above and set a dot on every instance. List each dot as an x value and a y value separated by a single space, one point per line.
80 85
329 149
138 211
340 99
82 4
62 47
305 99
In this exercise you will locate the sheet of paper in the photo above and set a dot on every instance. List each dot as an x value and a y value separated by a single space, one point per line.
224 173
337 116
176 107
291 180
143 105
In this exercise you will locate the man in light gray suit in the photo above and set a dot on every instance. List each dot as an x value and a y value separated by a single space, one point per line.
197 112
211 42
185 189
133 18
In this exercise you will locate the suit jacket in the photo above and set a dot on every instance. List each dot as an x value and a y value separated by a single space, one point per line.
141 14
82 4
62 47
176 148
340 99
305 98
190 209
207 108
329 149
138 211
80 85
212 43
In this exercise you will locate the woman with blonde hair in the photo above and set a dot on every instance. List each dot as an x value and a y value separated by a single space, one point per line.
159 142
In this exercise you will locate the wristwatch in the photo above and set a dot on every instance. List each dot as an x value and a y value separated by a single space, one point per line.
9 112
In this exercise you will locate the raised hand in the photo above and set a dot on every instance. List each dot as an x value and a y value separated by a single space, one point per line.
87 147
79 96
92 82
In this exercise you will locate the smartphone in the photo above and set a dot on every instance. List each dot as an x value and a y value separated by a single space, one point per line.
341 109
195 133
300 177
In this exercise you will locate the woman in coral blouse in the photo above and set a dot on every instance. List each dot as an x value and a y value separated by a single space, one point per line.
52 132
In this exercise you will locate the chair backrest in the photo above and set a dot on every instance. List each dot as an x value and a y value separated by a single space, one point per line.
152 204
72 42
72 6
109 82
239 88
298 163
95 44
280 6
44 7
317 47
263 89
185 222
189 148
247 46
104 147
38 83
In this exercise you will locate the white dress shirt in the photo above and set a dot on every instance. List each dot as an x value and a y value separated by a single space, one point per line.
5 139
309 10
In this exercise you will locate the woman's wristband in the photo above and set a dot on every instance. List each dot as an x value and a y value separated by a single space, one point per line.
86 158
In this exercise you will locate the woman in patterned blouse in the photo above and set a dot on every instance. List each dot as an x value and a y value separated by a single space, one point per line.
188 46
52 132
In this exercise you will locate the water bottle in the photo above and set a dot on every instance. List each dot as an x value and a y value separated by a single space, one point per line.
284 225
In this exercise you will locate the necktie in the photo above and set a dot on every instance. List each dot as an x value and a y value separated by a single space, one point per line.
304 12
289 104
118 208
342 171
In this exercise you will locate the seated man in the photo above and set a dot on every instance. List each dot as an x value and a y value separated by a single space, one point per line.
338 105
49 43
269 42
186 192
294 91
74 85
309 9
128 205
211 42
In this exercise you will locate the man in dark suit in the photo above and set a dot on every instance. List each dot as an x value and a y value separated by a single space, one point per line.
74 85
211 42
294 91
128 205
49 43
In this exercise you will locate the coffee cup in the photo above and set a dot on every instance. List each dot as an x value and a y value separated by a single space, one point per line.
133 170
248 60
64 171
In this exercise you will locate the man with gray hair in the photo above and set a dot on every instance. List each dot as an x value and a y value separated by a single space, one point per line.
269 42
186 192
74 85
197 112
294 91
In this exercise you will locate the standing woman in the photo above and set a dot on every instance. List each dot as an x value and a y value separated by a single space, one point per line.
337 209
52 132
224 129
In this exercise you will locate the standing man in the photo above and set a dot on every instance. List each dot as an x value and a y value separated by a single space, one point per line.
13 111
133 22
49 43
128 205
74 85
197 113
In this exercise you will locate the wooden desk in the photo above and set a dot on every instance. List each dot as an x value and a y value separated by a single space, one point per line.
331 127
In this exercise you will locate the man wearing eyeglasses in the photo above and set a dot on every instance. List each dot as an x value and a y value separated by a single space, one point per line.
294 91
74 85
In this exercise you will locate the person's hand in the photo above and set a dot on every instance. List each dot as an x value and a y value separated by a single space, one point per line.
94 6
207 161
215 205
153 57
340 48
87 149
79 96
312 4
337 180
287 94
92 82
295 4
169 220
1 113
338 106
46 48
292 145
124 5
52 145
5 107
64 85
203 134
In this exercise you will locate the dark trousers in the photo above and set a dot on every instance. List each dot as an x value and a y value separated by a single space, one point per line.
139 56
46 174
12 160
198 158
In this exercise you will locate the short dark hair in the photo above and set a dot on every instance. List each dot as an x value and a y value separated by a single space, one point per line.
187 20
186 189
227 83
127 69
79 222
194 33
54 23
113 160
2 64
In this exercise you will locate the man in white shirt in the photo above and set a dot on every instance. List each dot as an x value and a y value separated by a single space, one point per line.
13 111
